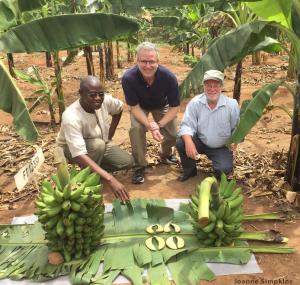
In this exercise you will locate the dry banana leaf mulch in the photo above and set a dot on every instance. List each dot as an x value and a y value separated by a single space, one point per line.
15 153
261 174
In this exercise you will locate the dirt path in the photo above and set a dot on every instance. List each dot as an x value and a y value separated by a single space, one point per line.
272 133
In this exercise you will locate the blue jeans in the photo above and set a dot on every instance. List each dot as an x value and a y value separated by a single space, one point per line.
222 158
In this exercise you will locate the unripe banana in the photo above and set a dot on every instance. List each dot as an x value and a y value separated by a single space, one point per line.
92 180
170 226
236 202
175 242
160 243
153 229
81 176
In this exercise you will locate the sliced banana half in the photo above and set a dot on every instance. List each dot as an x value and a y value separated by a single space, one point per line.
154 229
170 226
155 243
175 242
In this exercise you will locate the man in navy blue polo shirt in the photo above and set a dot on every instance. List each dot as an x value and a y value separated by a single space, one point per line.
151 88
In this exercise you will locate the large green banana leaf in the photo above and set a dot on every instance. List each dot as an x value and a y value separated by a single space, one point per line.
23 253
273 10
226 51
253 111
29 5
65 31
11 101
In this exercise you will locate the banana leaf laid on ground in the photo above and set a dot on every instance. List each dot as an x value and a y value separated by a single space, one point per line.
23 250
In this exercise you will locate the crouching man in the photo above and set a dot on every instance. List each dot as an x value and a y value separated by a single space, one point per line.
85 134
209 120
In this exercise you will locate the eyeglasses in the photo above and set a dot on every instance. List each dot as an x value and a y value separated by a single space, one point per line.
150 62
93 95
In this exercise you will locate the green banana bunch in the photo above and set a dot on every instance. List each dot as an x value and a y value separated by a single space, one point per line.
225 214
71 211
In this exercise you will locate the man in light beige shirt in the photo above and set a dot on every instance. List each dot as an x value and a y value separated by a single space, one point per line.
85 133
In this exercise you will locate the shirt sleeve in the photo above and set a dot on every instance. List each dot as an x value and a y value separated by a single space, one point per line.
114 105
173 93
130 96
189 123
73 136
234 116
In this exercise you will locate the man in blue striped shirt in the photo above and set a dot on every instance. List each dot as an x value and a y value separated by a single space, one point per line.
208 122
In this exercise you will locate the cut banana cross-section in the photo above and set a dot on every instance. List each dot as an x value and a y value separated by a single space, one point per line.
155 243
175 242
154 229
170 226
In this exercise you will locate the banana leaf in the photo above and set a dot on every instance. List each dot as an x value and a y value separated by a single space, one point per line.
253 111
296 21
11 101
273 10
29 5
269 45
8 13
226 51
171 21
23 251
66 31
131 5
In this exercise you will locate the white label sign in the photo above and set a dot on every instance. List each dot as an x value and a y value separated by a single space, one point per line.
24 174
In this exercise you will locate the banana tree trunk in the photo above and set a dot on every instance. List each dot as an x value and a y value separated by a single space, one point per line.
187 51
11 64
48 59
109 61
74 6
119 62
193 51
130 54
256 60
238 82
89 60
51 111
101 64
293 165
59 90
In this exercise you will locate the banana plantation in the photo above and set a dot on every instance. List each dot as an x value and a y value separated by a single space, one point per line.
62 221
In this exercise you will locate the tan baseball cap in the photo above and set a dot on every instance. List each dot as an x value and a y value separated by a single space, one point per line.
213 75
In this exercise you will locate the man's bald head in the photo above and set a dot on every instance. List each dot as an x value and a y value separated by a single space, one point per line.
89 82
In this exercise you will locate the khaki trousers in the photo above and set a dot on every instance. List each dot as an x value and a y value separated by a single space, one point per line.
137 134
108 155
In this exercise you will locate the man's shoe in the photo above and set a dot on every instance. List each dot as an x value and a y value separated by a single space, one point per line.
186 176
138 176
171 159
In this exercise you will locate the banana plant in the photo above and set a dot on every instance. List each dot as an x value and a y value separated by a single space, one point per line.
64 32
235 45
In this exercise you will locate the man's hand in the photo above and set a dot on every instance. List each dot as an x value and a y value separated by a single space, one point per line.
118 189
191 150
157 135
153 126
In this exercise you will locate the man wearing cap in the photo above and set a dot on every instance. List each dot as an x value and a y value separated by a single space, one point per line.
208 122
